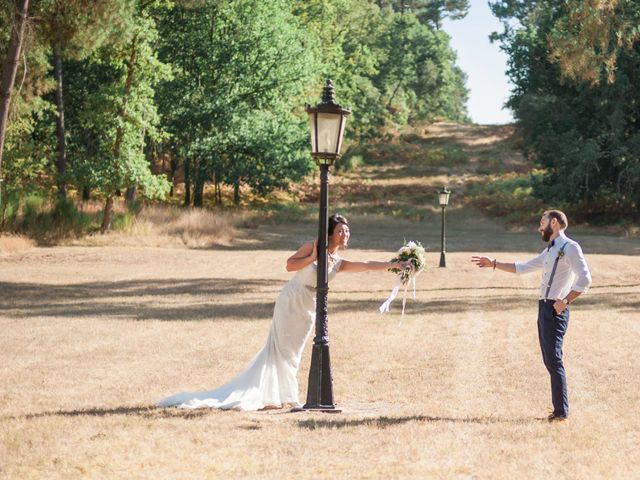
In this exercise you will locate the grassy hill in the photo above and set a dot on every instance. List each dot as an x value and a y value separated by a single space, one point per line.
400 176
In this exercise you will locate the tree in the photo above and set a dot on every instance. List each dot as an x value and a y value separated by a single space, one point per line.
234 62
347 33
74 29
430 12
9 70
588 38
417 73
216 86
113 112
385 62
584 134
433 12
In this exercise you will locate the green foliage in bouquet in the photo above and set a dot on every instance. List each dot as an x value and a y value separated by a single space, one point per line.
413 252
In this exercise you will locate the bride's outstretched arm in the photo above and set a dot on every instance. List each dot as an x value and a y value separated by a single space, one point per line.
305 255
348 266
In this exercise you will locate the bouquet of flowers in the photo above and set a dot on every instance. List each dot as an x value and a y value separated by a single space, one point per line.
414 253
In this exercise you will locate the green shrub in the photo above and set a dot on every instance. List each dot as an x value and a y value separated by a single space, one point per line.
123 221
32 206
509 196
283 212
349 163
48 224
135 207
446 155
9 207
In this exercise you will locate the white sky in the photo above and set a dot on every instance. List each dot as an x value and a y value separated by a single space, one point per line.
483 62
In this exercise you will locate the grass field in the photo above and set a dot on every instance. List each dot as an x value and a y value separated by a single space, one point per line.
92 336
93 332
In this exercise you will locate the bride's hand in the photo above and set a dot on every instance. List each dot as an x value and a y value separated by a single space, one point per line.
404 265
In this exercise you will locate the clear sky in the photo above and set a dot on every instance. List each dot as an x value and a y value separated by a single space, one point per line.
483 62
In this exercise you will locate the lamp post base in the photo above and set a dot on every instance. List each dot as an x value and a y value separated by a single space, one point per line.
443 262
320 393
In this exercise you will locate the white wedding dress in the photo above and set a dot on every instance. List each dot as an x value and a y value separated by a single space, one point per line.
270 379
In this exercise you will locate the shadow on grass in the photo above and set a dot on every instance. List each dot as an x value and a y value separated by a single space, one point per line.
385 422
377 227
151 412
502 302
166 299
207 299
528 291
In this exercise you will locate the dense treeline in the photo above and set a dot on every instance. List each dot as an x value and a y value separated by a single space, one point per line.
128 97
575 67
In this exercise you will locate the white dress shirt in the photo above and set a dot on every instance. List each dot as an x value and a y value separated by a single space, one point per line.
572 272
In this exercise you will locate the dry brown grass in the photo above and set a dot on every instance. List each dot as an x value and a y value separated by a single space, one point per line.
14 243
91 337
194 227
164 226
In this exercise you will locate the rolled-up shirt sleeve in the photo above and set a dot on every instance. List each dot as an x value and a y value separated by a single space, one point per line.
579 268
532 265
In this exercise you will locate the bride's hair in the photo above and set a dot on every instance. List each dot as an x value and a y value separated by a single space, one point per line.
334 220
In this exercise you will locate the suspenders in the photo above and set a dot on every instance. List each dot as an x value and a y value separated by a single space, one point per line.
553 270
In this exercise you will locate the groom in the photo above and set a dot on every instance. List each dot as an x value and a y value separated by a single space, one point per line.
565 276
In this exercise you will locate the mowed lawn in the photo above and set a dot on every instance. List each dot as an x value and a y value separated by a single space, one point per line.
90 337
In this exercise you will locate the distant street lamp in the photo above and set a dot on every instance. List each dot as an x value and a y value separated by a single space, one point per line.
326 121
443 199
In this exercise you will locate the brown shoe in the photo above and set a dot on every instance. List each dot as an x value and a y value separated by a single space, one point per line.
556 418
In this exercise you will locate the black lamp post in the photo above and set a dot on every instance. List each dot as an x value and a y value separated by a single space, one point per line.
326 121
443 199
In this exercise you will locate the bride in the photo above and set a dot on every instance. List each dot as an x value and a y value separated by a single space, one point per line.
270 379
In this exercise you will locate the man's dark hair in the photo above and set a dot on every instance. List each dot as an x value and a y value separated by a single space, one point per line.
559 216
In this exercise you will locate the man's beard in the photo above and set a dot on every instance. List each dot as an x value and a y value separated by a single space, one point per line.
546 233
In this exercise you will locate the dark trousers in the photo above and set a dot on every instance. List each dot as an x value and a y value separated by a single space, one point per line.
551 330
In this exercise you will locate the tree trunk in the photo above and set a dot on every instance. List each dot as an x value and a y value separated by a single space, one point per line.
173 165
236 191
217 195
131 195
86 194
108 215
10 68
187 182
198 191
3 210
393 94
61 162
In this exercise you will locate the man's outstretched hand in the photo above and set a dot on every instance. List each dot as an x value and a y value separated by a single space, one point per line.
482 262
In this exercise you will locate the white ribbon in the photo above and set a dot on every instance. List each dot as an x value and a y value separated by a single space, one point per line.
394 293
